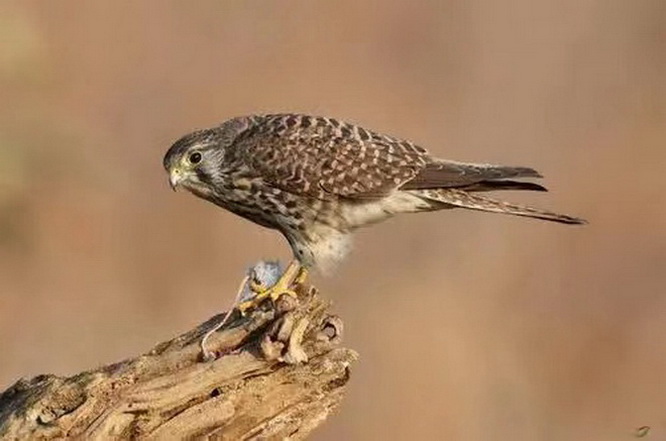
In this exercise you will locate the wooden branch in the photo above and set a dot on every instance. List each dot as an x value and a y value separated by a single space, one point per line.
279 374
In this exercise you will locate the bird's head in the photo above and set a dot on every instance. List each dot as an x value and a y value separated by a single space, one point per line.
196 161
191 162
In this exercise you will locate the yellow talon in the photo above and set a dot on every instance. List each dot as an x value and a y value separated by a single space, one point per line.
294 274
301 277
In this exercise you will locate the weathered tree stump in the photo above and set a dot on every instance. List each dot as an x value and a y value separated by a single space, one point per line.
279 374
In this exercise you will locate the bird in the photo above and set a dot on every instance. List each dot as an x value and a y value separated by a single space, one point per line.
317 179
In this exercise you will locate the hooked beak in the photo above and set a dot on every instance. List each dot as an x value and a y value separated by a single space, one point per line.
174 178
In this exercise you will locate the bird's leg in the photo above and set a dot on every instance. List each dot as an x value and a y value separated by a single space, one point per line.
302 276
283 286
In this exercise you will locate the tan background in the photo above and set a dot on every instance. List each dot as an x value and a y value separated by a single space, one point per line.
470 326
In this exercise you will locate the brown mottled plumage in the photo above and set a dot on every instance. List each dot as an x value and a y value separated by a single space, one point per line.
317 179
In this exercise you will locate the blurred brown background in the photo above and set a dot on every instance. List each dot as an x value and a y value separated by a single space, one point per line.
470 326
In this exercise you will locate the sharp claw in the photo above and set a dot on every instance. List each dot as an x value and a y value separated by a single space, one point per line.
252 303
242 308
273 294
301 277
257 287
287 292
282 287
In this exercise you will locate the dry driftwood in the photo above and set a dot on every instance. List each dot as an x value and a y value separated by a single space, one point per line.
279 374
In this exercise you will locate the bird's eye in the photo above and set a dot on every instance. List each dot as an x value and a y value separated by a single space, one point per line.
195 158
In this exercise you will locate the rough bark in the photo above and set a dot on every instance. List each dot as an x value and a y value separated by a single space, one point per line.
279 374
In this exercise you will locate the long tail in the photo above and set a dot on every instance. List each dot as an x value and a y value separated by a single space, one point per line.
460 198
472 177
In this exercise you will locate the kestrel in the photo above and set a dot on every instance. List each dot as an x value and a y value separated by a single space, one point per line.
317 179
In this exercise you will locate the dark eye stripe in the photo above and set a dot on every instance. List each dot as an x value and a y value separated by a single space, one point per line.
203 177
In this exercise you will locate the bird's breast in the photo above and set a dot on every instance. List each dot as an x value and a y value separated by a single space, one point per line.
260 203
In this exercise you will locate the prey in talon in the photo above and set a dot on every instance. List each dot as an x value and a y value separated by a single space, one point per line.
264 273
292 276
316 180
